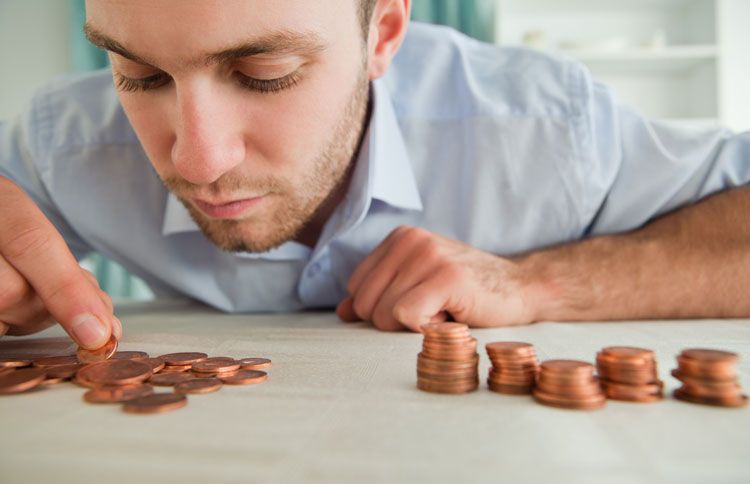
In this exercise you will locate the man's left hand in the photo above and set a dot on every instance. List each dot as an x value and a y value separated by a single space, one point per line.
415 277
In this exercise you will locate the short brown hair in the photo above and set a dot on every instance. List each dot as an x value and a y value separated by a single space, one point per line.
366 8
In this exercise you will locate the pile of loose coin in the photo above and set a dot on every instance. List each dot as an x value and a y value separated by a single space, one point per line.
622 372
129 377
449 360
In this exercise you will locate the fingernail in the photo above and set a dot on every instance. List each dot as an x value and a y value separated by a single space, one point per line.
117 328
89 331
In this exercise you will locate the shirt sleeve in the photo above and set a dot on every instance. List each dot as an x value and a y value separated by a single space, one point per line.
21 152
633 169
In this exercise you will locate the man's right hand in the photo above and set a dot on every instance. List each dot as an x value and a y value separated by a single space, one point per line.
41 281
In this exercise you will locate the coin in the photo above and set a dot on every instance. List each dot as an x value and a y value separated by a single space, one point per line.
65 372
128 355
13 363
244 377
99 354
254 363
448 360
50 361
708 377
156 364
216 365
169 379
21 380
115 372
117 395
182 359
155 403
198 385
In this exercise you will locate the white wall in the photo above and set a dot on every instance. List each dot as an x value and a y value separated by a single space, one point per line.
34 47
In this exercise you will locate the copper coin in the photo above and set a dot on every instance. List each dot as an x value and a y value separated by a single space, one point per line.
210 365
175 368
510 389
21 380
13 363
739 401
183 359
568 367
723 370
128 355
198 385
710 356
254 363
50 361
65 372
245 377
6 370
156 364
509 348
116 372
628 353
449 388
99 354
155 403
51 381
569 403
169 379
117 395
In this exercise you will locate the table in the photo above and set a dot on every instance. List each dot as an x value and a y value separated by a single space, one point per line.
341 406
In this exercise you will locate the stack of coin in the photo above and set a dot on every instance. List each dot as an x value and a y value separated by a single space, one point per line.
449 361
568 384
708 377
514 367
629 374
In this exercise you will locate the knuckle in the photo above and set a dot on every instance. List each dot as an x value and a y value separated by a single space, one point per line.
13 292
452 272
26 242
361 309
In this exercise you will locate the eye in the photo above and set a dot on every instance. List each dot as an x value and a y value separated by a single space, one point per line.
267 86
127 84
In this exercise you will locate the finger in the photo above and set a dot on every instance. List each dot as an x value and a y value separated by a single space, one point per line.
345 311
42 322
3 329
424 303
91 277
373 260
31 244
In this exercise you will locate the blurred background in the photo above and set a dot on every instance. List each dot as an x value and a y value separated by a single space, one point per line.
684 61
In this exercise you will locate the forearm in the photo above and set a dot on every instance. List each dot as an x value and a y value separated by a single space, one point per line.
691 263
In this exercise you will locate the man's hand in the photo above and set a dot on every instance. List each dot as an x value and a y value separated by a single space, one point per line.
40 280
415 277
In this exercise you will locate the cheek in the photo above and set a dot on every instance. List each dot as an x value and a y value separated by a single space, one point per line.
151 124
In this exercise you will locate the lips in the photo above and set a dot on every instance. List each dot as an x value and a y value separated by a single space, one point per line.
227 210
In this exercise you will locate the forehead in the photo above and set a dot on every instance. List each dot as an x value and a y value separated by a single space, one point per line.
187 29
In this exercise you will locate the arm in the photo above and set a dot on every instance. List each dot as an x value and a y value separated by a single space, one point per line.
693 262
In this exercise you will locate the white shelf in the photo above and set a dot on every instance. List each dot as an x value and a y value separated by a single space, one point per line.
681 60
667 59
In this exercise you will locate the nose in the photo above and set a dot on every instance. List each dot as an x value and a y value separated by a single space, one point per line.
208 142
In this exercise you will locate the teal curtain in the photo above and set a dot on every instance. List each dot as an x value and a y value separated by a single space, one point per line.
112 277
472 17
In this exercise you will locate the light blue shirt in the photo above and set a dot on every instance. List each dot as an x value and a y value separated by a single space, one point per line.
506 149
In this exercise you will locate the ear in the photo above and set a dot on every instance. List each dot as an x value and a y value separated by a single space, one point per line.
388 25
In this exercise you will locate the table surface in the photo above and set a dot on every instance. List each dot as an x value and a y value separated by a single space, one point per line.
341 406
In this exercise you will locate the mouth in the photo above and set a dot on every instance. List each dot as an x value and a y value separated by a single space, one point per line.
234 209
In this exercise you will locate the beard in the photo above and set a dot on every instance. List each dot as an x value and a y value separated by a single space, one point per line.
292 206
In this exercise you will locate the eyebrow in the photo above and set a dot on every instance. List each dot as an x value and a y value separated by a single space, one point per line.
279 42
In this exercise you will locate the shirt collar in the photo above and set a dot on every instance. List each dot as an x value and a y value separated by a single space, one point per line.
383 172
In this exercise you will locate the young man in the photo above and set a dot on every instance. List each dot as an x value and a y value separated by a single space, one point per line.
273 156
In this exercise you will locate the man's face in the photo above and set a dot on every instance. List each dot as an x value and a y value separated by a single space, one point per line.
249 110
